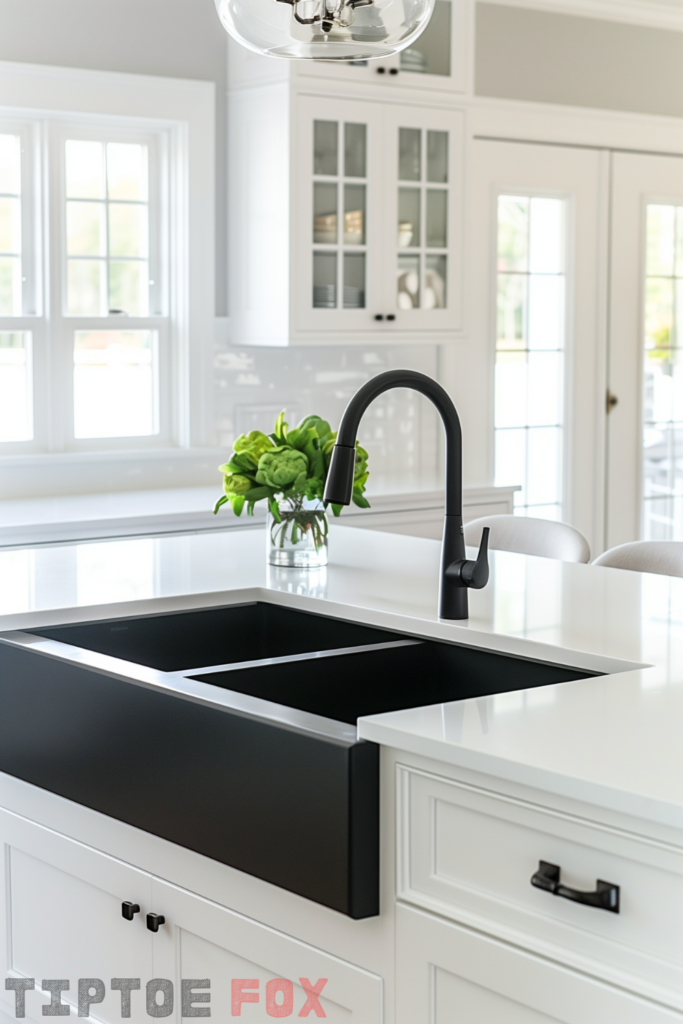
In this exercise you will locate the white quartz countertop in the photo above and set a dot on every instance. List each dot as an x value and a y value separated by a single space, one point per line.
615 740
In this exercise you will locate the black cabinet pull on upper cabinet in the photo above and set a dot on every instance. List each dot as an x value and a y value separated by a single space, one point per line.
129 910
604 897
154 920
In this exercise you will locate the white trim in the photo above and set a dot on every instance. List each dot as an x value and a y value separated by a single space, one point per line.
187 109
663 14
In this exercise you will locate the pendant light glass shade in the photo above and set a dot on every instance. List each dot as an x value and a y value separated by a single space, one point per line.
325 29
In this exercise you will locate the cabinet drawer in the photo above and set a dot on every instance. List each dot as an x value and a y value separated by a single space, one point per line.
469 854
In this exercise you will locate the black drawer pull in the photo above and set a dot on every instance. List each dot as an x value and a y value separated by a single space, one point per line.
605 897
154 920
129 910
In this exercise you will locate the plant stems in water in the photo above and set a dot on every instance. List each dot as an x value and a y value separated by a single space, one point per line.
297 521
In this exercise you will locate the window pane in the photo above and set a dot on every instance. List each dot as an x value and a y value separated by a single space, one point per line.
355 150
434 296
10 286
659 313
408 296
127 230
128 289
15 387
354 280
115 383
324 213
546 312
85 287
408 217
512 311
84 229
325 144
10 226
510 458
409 154
126 171
437 157
354 214
324 280
544 458
9 164
84 170
511 390
513 233
546 236
660 240
544 402
437 218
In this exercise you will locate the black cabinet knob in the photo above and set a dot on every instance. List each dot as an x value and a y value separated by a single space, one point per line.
391 316
154 920
379 316
393 71
380 71
129 910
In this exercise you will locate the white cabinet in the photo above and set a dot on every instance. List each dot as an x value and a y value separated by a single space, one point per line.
64 909
446 972
346 217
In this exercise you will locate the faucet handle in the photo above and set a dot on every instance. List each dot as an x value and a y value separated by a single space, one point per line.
473 574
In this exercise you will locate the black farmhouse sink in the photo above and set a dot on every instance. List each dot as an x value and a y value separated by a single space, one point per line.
231 731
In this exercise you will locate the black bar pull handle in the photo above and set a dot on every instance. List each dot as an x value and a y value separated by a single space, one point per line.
605 896
154 920
129 910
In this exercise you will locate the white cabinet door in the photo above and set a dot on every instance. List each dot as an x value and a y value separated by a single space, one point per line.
421 258
337 225
254 971
448 973
64 919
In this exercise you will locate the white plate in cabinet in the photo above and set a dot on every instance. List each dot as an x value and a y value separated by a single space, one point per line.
469 854
447 973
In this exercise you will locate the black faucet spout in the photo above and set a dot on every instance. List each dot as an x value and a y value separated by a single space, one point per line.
457 574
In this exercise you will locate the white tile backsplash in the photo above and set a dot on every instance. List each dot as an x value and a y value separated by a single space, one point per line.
400 429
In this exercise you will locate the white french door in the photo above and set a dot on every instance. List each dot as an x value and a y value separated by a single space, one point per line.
645 426
537 351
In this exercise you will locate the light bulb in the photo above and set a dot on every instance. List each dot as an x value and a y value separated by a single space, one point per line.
325 29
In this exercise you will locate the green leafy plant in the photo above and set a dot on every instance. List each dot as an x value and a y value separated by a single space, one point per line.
286 469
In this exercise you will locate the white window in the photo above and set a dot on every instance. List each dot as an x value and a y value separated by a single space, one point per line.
106 273
530 343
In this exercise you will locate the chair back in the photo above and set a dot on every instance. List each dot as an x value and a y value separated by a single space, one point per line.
664 557
531 537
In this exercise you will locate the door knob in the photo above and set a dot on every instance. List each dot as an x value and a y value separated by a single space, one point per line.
154 920
129 910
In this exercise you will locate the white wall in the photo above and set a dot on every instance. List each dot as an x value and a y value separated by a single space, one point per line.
536 55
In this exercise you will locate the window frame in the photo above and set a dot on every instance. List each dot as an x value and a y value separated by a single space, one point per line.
45 101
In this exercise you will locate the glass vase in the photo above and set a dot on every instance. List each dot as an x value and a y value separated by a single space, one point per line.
297 537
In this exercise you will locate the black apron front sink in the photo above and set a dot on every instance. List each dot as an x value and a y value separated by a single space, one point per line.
256 766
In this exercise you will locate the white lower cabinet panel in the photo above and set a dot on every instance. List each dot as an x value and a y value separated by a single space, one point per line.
62 908
447 973
203 940
469 853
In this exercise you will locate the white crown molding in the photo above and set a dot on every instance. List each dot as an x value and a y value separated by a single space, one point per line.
663 14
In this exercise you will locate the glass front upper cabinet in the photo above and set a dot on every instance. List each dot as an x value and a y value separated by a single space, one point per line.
422 225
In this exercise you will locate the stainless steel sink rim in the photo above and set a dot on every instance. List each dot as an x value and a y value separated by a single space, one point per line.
187 686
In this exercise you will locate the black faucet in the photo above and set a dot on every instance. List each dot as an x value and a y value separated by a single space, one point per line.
457 573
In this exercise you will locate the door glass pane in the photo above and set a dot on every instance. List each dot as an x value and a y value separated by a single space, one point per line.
437 157
437 218
663 375
354 280
408 217
15 387
409 154
354 151
408 294
431 52
324 280
325 143
115 383
354 214
324 212
530 340
434 293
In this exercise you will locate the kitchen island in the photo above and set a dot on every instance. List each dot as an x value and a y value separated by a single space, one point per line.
584 776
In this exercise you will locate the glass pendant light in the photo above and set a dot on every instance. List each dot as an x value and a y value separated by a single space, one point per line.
325 29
